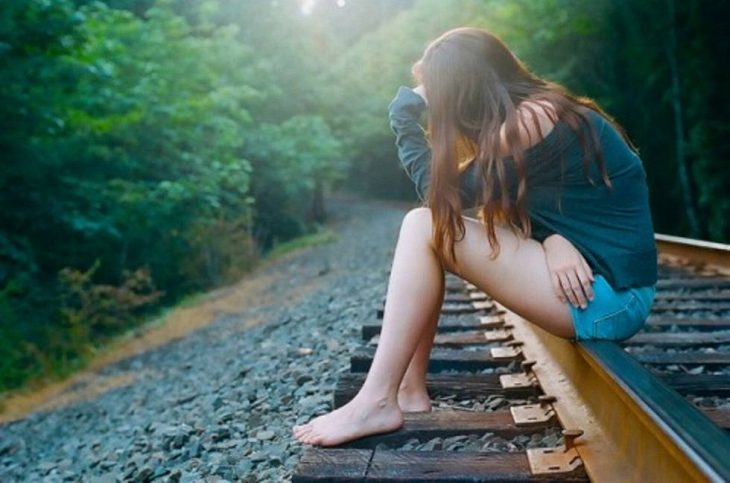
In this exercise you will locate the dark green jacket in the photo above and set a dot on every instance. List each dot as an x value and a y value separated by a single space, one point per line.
612 228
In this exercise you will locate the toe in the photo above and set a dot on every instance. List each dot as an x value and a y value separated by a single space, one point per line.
303 433
302 427
310 437
315 440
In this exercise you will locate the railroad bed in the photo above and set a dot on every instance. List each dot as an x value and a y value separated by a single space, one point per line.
513 403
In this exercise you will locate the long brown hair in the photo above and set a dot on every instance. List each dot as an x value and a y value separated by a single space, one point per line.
474 84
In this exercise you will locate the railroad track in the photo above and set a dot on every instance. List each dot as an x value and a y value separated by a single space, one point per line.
513 403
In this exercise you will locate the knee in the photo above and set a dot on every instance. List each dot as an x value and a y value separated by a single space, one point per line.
418 220
420 216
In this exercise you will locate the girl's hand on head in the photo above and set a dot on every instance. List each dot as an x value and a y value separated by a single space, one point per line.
571 274
421 92
416 71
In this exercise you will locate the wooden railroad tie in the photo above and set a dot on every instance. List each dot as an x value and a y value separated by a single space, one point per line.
689 322
474 337
361 458
470 307
445 325
465 386
446 359
449 423
680 339
350 465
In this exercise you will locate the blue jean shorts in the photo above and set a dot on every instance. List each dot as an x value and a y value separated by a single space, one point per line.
612 314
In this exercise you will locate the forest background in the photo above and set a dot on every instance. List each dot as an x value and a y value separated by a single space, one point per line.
154 149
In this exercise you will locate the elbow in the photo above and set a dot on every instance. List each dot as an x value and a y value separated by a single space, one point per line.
422 188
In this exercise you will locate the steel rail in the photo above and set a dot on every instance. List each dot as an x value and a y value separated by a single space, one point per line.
698 252
635 428
703 445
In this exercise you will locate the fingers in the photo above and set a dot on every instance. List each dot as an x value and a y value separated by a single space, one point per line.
587 269
568 289
572 276
416 70
577 289
585 281
575 285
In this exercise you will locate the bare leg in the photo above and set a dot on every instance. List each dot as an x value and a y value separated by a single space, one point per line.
414 289
412 394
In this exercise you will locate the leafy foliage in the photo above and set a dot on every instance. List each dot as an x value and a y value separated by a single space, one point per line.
155 148
138 135
618 53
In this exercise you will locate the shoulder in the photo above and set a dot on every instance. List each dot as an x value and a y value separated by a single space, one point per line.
535 120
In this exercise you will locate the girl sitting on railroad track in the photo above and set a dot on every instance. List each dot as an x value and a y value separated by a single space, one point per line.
564 236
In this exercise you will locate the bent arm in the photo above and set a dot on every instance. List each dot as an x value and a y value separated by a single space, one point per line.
541 232
414 150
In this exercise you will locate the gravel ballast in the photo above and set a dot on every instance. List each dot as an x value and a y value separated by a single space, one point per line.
219 404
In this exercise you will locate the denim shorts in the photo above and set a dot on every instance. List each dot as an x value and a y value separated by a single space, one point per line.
612 314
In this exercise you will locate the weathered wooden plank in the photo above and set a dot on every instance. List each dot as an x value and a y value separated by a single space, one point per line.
442 359
686 358
332 464
447 325
462 297
457 466
680 339
699 384
451 287
452 283
464 386
690 306
425 426
695 295
455 286
693 283
472 337
476 337
456 309
719 416
663 321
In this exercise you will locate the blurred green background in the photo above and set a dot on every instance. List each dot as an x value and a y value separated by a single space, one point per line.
156 149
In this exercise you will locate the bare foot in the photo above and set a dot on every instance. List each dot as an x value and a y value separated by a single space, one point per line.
414 400
359 417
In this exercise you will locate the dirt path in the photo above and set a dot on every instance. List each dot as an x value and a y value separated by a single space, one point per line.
259 289
212 390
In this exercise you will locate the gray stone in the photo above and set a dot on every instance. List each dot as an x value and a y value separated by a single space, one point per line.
221 387
243 467
258 456
303 379
46 466
265 435
226 471
107 478
218 403
144 475
433 444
